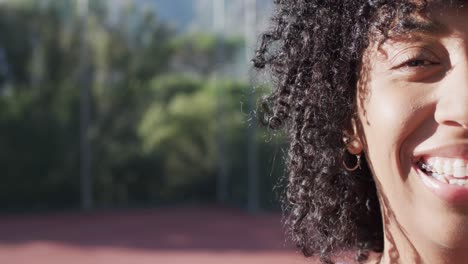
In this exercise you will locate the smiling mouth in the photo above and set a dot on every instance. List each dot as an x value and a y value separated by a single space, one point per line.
453 171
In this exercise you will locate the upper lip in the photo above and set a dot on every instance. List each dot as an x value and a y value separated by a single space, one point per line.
447 151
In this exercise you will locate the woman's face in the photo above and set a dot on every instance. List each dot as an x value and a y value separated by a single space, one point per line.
413 110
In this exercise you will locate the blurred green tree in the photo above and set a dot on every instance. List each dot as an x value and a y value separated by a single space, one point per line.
39 54
154 109
181 126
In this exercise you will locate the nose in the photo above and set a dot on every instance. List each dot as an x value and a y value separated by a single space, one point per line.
452 107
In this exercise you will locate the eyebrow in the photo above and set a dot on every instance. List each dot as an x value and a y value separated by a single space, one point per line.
413 25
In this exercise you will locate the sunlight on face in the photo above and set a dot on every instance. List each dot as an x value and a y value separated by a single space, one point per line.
414 114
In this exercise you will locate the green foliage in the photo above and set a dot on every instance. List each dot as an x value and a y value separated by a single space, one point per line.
157 110
200 52
181 125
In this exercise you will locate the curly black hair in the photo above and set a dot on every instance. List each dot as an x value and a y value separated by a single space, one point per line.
314 52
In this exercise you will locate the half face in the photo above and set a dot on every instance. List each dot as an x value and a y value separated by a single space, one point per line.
413 108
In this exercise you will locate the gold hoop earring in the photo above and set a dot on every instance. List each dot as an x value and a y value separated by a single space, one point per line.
356 166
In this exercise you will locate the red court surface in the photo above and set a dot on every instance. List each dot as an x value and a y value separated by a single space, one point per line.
165 235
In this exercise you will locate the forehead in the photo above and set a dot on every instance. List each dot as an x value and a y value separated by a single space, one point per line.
436 18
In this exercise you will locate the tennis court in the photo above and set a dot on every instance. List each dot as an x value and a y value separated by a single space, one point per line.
192 235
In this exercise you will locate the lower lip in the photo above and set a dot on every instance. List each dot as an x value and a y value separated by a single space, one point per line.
453 194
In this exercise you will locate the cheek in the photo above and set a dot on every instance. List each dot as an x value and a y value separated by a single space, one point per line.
390 118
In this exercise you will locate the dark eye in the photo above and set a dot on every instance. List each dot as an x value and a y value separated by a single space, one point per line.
419 63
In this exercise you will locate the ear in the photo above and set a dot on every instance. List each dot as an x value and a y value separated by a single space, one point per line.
352 140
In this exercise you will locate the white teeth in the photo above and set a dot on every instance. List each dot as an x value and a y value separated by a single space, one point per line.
448 169
458 182
459 172
437 167
440 178
453 182
446 166
458 163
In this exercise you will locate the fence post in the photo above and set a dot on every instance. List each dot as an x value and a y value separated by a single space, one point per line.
86 183
223 178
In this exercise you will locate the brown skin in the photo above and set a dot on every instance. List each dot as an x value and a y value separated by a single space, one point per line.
414 95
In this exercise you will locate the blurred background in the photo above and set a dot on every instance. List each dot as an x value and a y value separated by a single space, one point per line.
128 129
